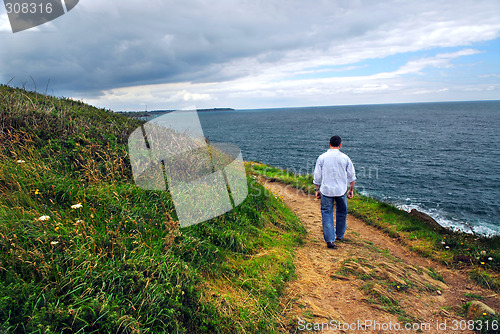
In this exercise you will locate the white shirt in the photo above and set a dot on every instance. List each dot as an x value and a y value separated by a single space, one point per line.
334 171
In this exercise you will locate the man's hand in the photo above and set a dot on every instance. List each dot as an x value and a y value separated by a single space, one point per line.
350 193
318 194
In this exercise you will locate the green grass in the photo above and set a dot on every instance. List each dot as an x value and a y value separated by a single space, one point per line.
432 273
482 253
120 263
473 296
303 182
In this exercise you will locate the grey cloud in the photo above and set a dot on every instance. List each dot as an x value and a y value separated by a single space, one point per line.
133 42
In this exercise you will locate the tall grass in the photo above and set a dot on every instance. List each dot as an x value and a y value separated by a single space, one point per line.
83 250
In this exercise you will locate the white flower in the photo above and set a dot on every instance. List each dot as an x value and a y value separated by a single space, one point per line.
77 206
447 247
44 218
79 221
483 252
54 243
490 259
20 161
443 243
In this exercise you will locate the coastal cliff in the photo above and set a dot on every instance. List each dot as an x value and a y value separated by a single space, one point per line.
84 249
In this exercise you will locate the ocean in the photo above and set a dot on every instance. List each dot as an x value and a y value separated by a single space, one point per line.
440 158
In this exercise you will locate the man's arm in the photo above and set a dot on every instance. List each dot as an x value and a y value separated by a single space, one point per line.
350 193
351 178
317 178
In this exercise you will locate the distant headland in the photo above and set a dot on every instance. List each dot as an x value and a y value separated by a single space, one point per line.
155 113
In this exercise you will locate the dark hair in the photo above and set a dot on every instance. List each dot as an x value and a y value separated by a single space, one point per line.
335 141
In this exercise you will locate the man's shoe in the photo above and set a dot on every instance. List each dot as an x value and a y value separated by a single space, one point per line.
331 245
337 239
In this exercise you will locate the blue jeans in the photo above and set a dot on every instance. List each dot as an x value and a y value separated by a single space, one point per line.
329 230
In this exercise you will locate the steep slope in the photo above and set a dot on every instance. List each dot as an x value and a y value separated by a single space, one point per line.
83 249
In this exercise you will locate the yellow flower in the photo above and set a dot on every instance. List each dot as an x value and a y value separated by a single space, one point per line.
484 313
37 192
56 228
482 262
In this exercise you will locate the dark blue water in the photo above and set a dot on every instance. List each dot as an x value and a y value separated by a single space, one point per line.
442 158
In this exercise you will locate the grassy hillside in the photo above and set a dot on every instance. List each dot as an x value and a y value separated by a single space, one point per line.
82 249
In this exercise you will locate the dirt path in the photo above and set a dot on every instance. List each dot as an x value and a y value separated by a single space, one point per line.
369 277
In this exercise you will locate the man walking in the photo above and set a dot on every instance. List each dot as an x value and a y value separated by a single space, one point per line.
334 171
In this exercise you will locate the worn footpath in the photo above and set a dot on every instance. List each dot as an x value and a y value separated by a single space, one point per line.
370 283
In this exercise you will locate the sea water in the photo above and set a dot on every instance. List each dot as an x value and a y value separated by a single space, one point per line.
441 158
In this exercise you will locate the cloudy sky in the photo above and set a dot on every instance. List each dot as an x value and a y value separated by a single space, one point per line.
169 54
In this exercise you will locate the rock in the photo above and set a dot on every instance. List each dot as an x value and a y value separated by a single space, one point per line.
378 290
340 277
351 265
412 268
445 313
395 279
423 281
357 268
426 219
433 282
478 309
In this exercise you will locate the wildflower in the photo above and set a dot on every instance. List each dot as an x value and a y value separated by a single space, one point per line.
490 259
37 192
21 161
56 228
443 243
44 218
79 221
53 243
484 313
77 206
447 247
483 252
397 286
482 262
